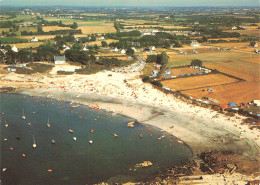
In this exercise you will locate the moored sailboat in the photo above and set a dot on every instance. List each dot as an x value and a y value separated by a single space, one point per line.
23 116
34 143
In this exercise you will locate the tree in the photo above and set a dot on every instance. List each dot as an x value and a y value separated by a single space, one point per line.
130 52
74 25
196 62
104 44
164 58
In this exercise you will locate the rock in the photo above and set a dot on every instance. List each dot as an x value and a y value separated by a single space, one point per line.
144 164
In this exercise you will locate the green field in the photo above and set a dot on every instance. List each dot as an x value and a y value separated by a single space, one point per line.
10 40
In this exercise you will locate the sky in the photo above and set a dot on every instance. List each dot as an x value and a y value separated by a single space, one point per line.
167 3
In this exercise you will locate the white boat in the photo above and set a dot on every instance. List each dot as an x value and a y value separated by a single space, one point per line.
23 116
34 143
74 138
48 124
90 141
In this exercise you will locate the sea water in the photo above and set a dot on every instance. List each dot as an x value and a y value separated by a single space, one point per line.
78 162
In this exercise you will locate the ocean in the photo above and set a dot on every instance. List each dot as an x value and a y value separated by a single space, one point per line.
69 162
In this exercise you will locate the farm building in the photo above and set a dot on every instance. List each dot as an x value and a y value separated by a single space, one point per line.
59 60
34 39
194 44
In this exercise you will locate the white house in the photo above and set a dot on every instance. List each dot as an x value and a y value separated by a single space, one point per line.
85 48
133 48
152 48
256 102
234 28
59 60
34 39
66 48
100 38
14 49
122 51
194 44
114 50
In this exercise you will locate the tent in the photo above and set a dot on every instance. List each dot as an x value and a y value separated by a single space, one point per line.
210 89
166 75
232 104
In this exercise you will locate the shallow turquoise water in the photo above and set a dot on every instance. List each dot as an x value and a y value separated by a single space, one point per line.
78 162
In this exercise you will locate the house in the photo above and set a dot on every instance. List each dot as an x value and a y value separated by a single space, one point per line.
152 48
133 48
194 44
59 60
114 50
234 28
254 44
100 38
65 48
14 49
122 51
256 102
34 39
85 48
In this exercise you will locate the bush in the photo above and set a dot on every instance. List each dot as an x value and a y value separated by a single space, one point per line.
196 62
157 83
145 78
64 73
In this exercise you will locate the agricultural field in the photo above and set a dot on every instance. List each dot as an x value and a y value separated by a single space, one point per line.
183 70
40 37
54 28
254 33
97 29
28 45
194 82
99 42
240 92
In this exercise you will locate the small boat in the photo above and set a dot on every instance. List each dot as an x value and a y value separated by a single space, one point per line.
49 170
53 141
4 169
91 130
141 135
74 138
130 124
71 131
161 137
115 135
179 141
34 143
48 124
17 137
23 116
23 155
74 106
90 141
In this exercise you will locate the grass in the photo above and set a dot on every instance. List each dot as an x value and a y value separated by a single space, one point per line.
149 67
28 45
40 68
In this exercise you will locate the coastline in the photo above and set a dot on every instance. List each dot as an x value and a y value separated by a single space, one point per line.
198 131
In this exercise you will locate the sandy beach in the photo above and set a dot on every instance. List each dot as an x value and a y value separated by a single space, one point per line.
122 91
